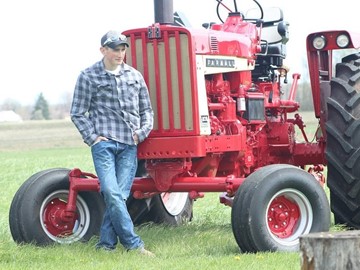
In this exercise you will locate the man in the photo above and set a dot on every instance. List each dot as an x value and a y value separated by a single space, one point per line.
111 109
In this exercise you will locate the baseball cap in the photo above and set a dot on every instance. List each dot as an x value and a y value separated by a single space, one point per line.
113 39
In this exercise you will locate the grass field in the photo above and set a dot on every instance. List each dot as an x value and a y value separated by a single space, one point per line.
205 243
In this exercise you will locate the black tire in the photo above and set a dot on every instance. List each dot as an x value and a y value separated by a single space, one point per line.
343 142
275 206
165 208
174 208
243 195
36 206
139 208
14 223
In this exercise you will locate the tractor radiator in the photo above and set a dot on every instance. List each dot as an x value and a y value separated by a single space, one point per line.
169 69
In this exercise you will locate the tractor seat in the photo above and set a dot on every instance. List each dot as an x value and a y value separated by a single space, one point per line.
274 28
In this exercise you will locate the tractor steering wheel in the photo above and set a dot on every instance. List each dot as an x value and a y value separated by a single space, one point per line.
236 9
222 4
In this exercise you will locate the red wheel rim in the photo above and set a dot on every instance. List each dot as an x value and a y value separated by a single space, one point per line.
282 217
58 229
52 219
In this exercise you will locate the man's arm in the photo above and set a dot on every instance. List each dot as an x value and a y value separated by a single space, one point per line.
80 106
146 113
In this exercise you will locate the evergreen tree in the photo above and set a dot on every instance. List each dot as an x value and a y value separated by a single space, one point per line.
41 109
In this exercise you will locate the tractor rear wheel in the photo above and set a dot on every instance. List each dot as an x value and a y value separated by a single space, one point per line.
343 142
275 206
35 212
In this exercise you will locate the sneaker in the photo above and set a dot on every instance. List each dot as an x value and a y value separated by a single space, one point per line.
104 248
145 252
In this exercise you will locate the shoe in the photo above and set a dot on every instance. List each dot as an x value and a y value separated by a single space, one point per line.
104 248
145 252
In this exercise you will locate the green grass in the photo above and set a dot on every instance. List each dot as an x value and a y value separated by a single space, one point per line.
205 243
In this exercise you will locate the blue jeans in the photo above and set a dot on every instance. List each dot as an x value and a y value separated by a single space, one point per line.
115 164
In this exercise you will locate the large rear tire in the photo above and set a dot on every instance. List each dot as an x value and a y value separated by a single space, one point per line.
275 206
343 142
36 209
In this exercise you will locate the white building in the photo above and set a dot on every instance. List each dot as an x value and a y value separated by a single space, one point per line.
9 116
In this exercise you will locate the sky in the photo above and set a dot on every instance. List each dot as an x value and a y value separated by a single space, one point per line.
45 44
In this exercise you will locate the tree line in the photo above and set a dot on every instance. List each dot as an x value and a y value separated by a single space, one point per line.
41 109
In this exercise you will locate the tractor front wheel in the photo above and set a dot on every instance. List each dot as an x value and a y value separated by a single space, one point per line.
167 208
275 206
37 208
174 208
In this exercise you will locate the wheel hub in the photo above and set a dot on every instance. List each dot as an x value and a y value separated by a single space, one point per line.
52 218
282 217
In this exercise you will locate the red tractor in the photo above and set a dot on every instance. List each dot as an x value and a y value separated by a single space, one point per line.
223 125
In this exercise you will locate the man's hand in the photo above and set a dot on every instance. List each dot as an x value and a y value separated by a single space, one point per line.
99 139
136 139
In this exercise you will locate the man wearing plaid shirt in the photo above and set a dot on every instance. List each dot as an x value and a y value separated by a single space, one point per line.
111 109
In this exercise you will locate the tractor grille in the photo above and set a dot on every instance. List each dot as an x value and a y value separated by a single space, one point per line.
168 67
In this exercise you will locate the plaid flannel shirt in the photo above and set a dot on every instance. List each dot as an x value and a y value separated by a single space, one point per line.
101 107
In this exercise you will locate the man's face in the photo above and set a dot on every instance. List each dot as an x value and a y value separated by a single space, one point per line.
114 56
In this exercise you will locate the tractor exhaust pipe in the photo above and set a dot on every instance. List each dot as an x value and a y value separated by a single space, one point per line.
164 11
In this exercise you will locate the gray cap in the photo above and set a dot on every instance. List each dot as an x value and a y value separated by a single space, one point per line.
113 39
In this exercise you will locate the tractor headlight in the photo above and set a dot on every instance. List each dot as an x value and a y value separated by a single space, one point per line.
319 42
342 40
